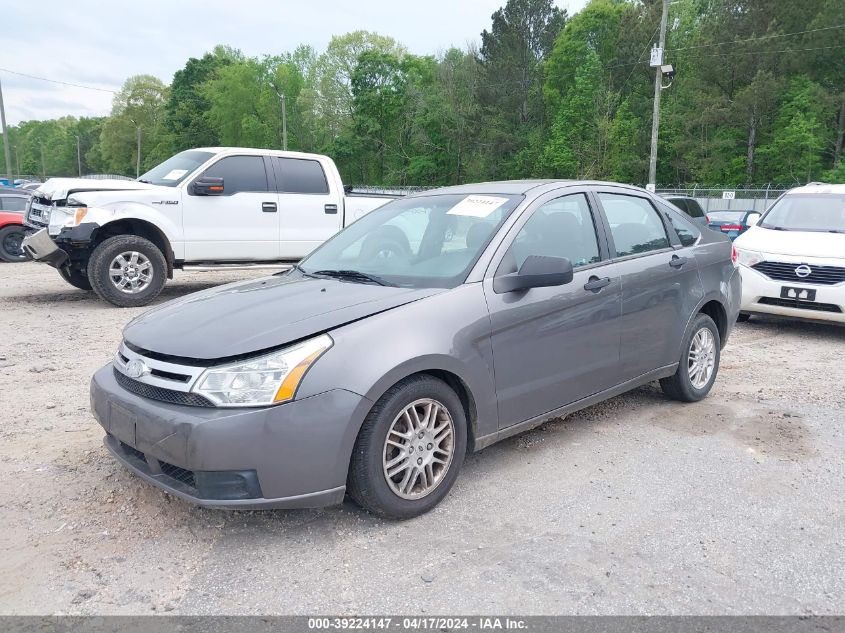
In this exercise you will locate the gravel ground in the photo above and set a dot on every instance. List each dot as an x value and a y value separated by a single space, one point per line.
638 505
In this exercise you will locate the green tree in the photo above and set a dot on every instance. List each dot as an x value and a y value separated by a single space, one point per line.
138 106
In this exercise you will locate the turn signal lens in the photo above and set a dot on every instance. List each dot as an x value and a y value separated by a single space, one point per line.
79 214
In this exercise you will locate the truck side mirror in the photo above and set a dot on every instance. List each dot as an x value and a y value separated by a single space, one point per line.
537 271
207 186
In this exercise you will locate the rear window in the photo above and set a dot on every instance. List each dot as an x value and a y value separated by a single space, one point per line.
298 175
726 216
12 203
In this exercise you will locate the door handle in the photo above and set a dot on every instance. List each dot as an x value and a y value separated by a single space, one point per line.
330 208
269 207
594 284
677 262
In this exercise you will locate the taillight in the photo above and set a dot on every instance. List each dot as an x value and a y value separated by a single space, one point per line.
707 218
733 254
731 227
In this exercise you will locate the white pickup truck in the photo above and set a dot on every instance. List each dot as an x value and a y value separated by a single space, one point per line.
202 208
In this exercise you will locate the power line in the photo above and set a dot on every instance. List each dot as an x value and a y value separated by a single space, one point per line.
56 81
784 50
757 39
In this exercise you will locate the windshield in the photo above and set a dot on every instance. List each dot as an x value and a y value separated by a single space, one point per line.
421 242
176 168
807 212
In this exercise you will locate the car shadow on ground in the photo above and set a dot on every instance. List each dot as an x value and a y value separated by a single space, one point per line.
171 291
774 326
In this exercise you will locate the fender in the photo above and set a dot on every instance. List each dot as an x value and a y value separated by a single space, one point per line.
170 226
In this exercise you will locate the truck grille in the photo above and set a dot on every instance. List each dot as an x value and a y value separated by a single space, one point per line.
161 394
785 271
38 212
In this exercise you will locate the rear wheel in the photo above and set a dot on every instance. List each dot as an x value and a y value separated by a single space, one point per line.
699 362
75 278
11 238
127 271
409 450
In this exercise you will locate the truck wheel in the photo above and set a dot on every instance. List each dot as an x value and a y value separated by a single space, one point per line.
699 363
127 271
10 244
409 450
75 278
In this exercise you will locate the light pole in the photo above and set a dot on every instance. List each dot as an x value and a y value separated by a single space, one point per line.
138 159
6 142
284 122
78 157
658 86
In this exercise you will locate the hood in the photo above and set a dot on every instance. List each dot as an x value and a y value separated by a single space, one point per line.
795 243
60 188
256 315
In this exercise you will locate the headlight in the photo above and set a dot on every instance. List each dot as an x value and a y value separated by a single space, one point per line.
748 258
75 212
264 380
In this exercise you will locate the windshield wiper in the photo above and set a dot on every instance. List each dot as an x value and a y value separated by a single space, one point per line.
144 181
351 275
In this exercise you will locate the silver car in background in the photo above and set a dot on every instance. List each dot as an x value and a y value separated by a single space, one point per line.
436 325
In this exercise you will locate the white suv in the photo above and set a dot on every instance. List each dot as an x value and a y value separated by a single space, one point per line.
793 259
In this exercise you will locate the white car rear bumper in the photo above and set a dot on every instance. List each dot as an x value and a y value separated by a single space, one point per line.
762 295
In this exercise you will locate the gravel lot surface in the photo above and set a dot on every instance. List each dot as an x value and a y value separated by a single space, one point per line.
635 506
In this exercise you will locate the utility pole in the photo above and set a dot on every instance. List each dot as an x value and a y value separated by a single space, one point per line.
138 159
43 165
658 86
78 157
6 140
284 122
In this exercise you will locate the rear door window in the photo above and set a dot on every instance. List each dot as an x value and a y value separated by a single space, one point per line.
298 175
635 225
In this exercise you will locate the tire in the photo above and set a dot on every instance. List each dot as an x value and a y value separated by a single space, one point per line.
367 482
387 243
743 317
680 386
10 241
146 265
75 278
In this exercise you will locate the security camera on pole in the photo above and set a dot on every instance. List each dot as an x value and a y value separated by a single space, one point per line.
661 71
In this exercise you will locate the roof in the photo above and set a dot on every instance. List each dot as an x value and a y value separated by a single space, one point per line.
818 187
519 187
256 150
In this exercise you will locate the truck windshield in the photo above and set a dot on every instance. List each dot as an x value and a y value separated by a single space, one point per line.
807 212
421 242
176 168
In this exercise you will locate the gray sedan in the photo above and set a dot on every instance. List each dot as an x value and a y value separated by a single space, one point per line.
435 325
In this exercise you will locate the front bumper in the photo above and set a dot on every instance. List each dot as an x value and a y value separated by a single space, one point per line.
762 295
294 455
41 247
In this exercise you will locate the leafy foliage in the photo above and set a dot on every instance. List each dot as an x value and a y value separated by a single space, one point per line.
759 97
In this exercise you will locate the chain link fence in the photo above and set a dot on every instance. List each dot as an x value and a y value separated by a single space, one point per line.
729 198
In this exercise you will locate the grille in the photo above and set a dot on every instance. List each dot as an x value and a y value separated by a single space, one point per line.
158 393
38 212
179 474
820 275
803 305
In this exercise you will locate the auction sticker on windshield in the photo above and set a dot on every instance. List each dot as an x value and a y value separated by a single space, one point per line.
477 206
175 174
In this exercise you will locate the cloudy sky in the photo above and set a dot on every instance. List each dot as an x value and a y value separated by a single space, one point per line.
98 44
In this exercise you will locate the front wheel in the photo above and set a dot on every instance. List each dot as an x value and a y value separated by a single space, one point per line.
127 271
11 238
409 450
699 363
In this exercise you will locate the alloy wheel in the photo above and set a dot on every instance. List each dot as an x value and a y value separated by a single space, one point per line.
418 449
131 272
701 358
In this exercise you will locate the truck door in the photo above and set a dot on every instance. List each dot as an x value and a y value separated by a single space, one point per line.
309 213
239 224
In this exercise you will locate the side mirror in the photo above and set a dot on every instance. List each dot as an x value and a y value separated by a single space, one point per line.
753 218
207 186
537 271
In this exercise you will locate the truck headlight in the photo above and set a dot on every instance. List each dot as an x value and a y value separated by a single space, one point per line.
264 380
748 258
